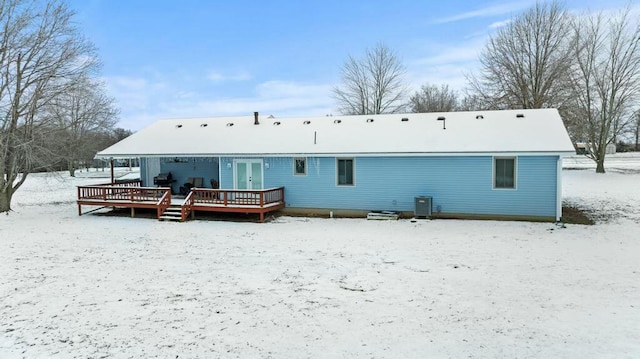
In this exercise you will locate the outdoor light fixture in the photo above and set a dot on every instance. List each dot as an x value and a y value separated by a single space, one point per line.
229 165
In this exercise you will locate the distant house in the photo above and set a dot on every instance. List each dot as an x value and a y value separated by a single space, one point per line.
584 148
480 164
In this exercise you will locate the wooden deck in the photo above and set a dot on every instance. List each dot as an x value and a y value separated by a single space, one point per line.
131 195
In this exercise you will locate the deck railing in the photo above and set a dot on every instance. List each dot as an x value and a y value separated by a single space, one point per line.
122 193
227 197
199 199
127 183
187 206
164 202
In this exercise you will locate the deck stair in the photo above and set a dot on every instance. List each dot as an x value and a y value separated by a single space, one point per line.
173 213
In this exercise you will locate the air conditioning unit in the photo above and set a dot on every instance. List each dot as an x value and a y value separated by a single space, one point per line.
423 206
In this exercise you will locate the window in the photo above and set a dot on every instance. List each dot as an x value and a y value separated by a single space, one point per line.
345 172
300 166
504 172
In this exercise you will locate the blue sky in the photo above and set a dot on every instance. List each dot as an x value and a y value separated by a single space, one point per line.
168 59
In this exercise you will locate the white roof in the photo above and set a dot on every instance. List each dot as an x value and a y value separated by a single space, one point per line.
472 133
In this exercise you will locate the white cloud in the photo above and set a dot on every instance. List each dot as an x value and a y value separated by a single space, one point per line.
441 54
130 92
85 61
145 100
499 24
489 11
445 64
217 76
290 89
132 83
280 98
610 11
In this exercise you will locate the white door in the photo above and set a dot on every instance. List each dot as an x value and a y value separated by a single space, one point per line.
153 169
248 174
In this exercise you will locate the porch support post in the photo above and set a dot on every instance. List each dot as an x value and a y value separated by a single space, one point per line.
113 180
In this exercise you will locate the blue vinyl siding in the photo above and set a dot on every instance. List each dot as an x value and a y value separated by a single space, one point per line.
460 185
457 184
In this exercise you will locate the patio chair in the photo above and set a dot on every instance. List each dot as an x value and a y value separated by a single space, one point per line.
191 183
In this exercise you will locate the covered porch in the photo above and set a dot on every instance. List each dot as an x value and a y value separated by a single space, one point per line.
177 183
131 194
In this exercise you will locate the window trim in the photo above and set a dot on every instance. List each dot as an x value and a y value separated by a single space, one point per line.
353 172
515 173
295 168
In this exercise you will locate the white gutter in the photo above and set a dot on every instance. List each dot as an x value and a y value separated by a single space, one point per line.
342 154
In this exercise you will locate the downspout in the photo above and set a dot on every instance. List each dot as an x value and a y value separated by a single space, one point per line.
113 179
559 189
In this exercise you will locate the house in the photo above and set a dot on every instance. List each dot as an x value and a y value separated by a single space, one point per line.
479 164
585 148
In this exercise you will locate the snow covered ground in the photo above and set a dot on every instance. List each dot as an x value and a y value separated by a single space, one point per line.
116 287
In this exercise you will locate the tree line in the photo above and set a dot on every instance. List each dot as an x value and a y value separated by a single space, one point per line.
585 65
54 111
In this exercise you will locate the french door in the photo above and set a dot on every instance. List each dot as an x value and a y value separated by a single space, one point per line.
247 174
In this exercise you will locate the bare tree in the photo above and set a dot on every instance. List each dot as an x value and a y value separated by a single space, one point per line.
81 114
525 65
120 134
372 84
41 53
471 102
636 129
606 77
431 98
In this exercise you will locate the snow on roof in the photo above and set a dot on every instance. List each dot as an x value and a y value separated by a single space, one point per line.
474 132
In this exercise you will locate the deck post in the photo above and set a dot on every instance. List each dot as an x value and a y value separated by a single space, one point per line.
133 212
79 205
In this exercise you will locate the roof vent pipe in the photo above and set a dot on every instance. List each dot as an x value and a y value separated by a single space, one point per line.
444 122
255 118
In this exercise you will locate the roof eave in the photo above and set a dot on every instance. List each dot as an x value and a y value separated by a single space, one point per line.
560 153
